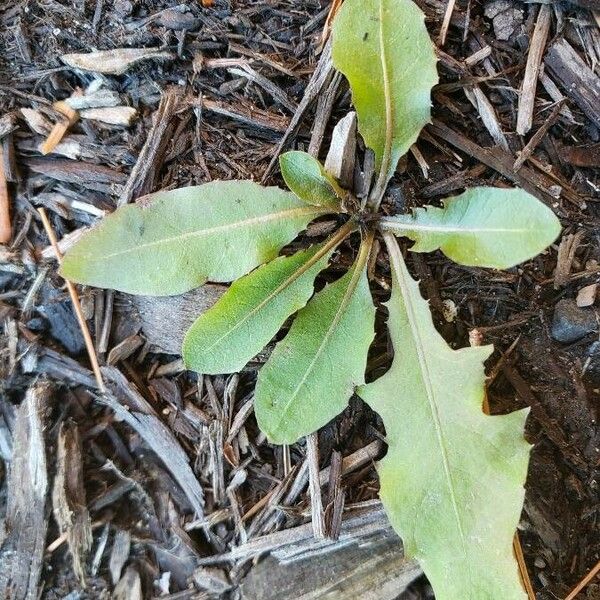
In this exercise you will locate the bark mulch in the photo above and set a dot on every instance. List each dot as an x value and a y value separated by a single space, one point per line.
164 486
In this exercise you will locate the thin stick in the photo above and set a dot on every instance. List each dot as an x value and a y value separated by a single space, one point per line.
446 23
5 226
538 136
518 550
584 582
89 344
333 10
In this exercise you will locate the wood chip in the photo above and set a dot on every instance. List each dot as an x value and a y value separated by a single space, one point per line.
566 255
581 156
578 81
114 62
68 498
247 114
487 113
36 121
142 179
119 554
371 568
530 79
129 586
115 115
87 175
316 502
342 151
22 549
59 130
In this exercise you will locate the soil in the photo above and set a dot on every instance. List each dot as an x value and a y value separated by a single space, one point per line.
224 120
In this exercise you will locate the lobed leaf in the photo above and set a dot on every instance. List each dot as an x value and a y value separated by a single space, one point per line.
452 480
384 50
313 371
485 227
251 312
307 178
177 240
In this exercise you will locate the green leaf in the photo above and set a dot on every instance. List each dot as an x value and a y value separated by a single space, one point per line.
313 371
306 177
484 227
384 50
253 309
452 480
177 240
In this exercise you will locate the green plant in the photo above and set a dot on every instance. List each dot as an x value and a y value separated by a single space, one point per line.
452 480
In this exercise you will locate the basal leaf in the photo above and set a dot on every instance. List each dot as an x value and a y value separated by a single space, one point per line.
313 371
485 227
384 50
452 479
251 312
307 178
177 240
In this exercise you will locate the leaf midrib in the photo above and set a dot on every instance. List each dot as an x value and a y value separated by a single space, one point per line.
382 178
218 229
329 245
396 260
392 224
352 285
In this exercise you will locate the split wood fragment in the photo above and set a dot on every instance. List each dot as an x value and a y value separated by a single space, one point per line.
149 162
69 500
530 79
26 523
572 73
114 62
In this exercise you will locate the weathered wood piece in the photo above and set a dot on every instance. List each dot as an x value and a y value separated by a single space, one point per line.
113 62
532 70
578 81
342 151
372 568
68 498
143 175
87 175
166 319
296 541
22 550
248 114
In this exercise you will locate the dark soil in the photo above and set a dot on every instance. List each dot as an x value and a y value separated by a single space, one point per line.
223 124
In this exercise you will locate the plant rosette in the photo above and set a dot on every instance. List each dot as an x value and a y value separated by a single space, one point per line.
452 480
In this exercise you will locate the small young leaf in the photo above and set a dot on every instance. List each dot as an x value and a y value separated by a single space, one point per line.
484 227
313 371
452 480
306 177
250 313
179 239
383 48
